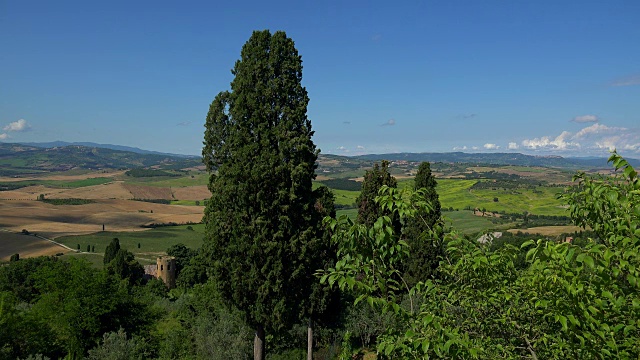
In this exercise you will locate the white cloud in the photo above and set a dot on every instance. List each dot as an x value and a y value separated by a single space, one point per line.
545 142
627 80
585 118
512 146
20 125
632 147
389 122
491 146
3 136
591 139
458 148
360 147
474 148
597 129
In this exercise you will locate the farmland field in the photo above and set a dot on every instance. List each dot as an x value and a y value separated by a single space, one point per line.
25 246
112 192
153 242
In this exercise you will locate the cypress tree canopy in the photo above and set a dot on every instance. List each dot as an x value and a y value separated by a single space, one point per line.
261 219
425 247
374 179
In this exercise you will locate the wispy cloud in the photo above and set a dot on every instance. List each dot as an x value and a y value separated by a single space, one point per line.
346 122
460 148
184 123
596 129
474 148
585 119
389 122
489 146
590 139
512 146
628 80
20 125
376 37
466 116
3 136
360 147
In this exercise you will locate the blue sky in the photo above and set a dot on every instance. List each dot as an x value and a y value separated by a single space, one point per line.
538 77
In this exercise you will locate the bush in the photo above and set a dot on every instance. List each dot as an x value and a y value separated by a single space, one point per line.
116 346
15 257
25 231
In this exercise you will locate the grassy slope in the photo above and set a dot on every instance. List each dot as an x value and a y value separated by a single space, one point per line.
457 194
152 242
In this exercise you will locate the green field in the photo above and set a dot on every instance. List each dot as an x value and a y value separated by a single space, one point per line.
467 223
187 202
351 213
152 242
61 183
541 201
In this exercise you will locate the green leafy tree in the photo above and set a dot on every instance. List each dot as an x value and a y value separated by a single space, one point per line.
426 250
183 256
368 210
566 302
116 346
260 218
125 266
111 251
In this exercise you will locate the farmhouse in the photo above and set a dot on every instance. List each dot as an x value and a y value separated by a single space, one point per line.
164 269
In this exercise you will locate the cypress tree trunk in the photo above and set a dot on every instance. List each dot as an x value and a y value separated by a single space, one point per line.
310 340
258 344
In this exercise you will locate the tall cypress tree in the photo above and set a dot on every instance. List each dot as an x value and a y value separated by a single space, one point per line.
425 247
111 251
261 223
374 179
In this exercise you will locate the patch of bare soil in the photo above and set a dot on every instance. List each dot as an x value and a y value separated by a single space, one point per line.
116 215
148 192
199 192
26 246
548 230
62 177
113 190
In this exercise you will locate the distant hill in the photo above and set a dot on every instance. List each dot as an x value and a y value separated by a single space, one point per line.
54 144
499 159
21 158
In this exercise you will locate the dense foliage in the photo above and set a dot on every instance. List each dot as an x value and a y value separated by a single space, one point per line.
342 184
70 201
141 172
565 302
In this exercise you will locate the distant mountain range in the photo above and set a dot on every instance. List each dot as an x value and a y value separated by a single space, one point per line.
54 144
23 158
59 156
500 159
